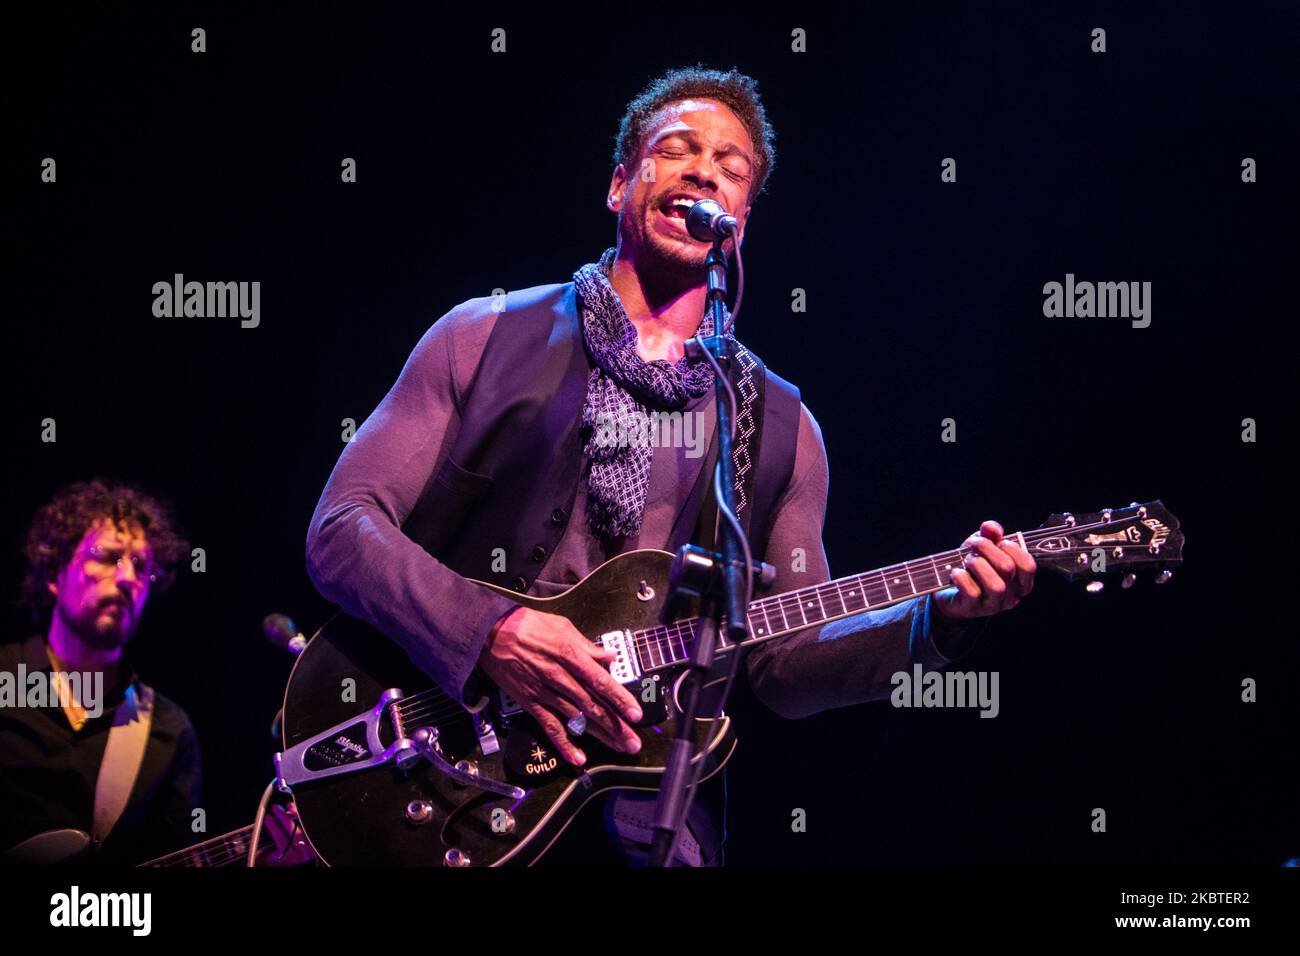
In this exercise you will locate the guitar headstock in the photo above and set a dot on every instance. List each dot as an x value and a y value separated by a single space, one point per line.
1127 540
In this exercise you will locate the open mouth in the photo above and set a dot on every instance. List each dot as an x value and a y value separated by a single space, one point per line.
676 206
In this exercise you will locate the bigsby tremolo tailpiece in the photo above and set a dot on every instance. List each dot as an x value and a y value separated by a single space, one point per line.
353 745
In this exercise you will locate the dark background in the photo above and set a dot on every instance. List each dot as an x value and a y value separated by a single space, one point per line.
479 171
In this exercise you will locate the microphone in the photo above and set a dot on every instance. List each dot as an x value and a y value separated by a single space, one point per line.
707 221
280 630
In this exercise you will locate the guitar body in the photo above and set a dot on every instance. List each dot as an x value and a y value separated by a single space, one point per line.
361 817
65 847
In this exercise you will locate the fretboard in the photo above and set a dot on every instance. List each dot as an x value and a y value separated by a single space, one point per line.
229 849
781 614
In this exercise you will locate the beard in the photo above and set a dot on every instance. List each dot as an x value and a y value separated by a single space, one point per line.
95 630
675 260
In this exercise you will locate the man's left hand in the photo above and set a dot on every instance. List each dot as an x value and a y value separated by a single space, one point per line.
994 578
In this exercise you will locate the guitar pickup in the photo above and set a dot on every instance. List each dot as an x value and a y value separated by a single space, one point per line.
626 668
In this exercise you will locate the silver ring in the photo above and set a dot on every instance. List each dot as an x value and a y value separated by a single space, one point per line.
577 724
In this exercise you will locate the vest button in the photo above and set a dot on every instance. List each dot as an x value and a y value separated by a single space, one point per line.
538 553
519 584
558 516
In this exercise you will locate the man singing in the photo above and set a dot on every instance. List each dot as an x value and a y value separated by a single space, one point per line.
483 462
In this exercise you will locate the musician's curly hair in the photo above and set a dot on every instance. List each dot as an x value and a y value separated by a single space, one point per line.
732 88
60 525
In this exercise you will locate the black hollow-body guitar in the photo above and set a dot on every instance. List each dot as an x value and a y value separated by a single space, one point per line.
387 769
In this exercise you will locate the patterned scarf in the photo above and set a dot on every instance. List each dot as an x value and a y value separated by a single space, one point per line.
621 391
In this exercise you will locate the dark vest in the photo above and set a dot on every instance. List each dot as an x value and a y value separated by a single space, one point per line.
511 478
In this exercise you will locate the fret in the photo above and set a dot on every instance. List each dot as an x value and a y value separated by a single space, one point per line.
885 582
933 571
818 592
839 596
780 606
799 602
685 634
217 851
948 567
855 591
639 639
787 603
897 579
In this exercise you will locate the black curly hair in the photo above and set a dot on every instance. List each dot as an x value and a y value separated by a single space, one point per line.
734 89
62 522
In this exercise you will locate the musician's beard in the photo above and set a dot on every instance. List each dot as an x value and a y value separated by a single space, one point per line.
664 260
94 628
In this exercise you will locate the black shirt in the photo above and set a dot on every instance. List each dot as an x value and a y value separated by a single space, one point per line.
48 771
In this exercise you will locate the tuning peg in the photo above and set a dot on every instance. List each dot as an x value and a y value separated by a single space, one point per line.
1164 576
1128 580
1105 514
1095 587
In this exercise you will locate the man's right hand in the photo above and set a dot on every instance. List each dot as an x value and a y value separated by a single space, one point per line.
553 672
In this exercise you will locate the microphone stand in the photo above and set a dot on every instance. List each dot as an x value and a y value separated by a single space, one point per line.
672 807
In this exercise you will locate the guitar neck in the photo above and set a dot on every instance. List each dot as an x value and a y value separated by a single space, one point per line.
229 849
775 616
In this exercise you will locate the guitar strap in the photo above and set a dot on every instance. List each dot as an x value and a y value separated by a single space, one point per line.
123 755
748 378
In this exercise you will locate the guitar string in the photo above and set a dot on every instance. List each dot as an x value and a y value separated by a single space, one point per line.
435 704
210 857
870 582
426 705
205 861
670 642
413 707
209 854
228 852
180 858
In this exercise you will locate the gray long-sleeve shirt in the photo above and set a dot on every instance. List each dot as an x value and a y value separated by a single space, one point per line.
358 557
